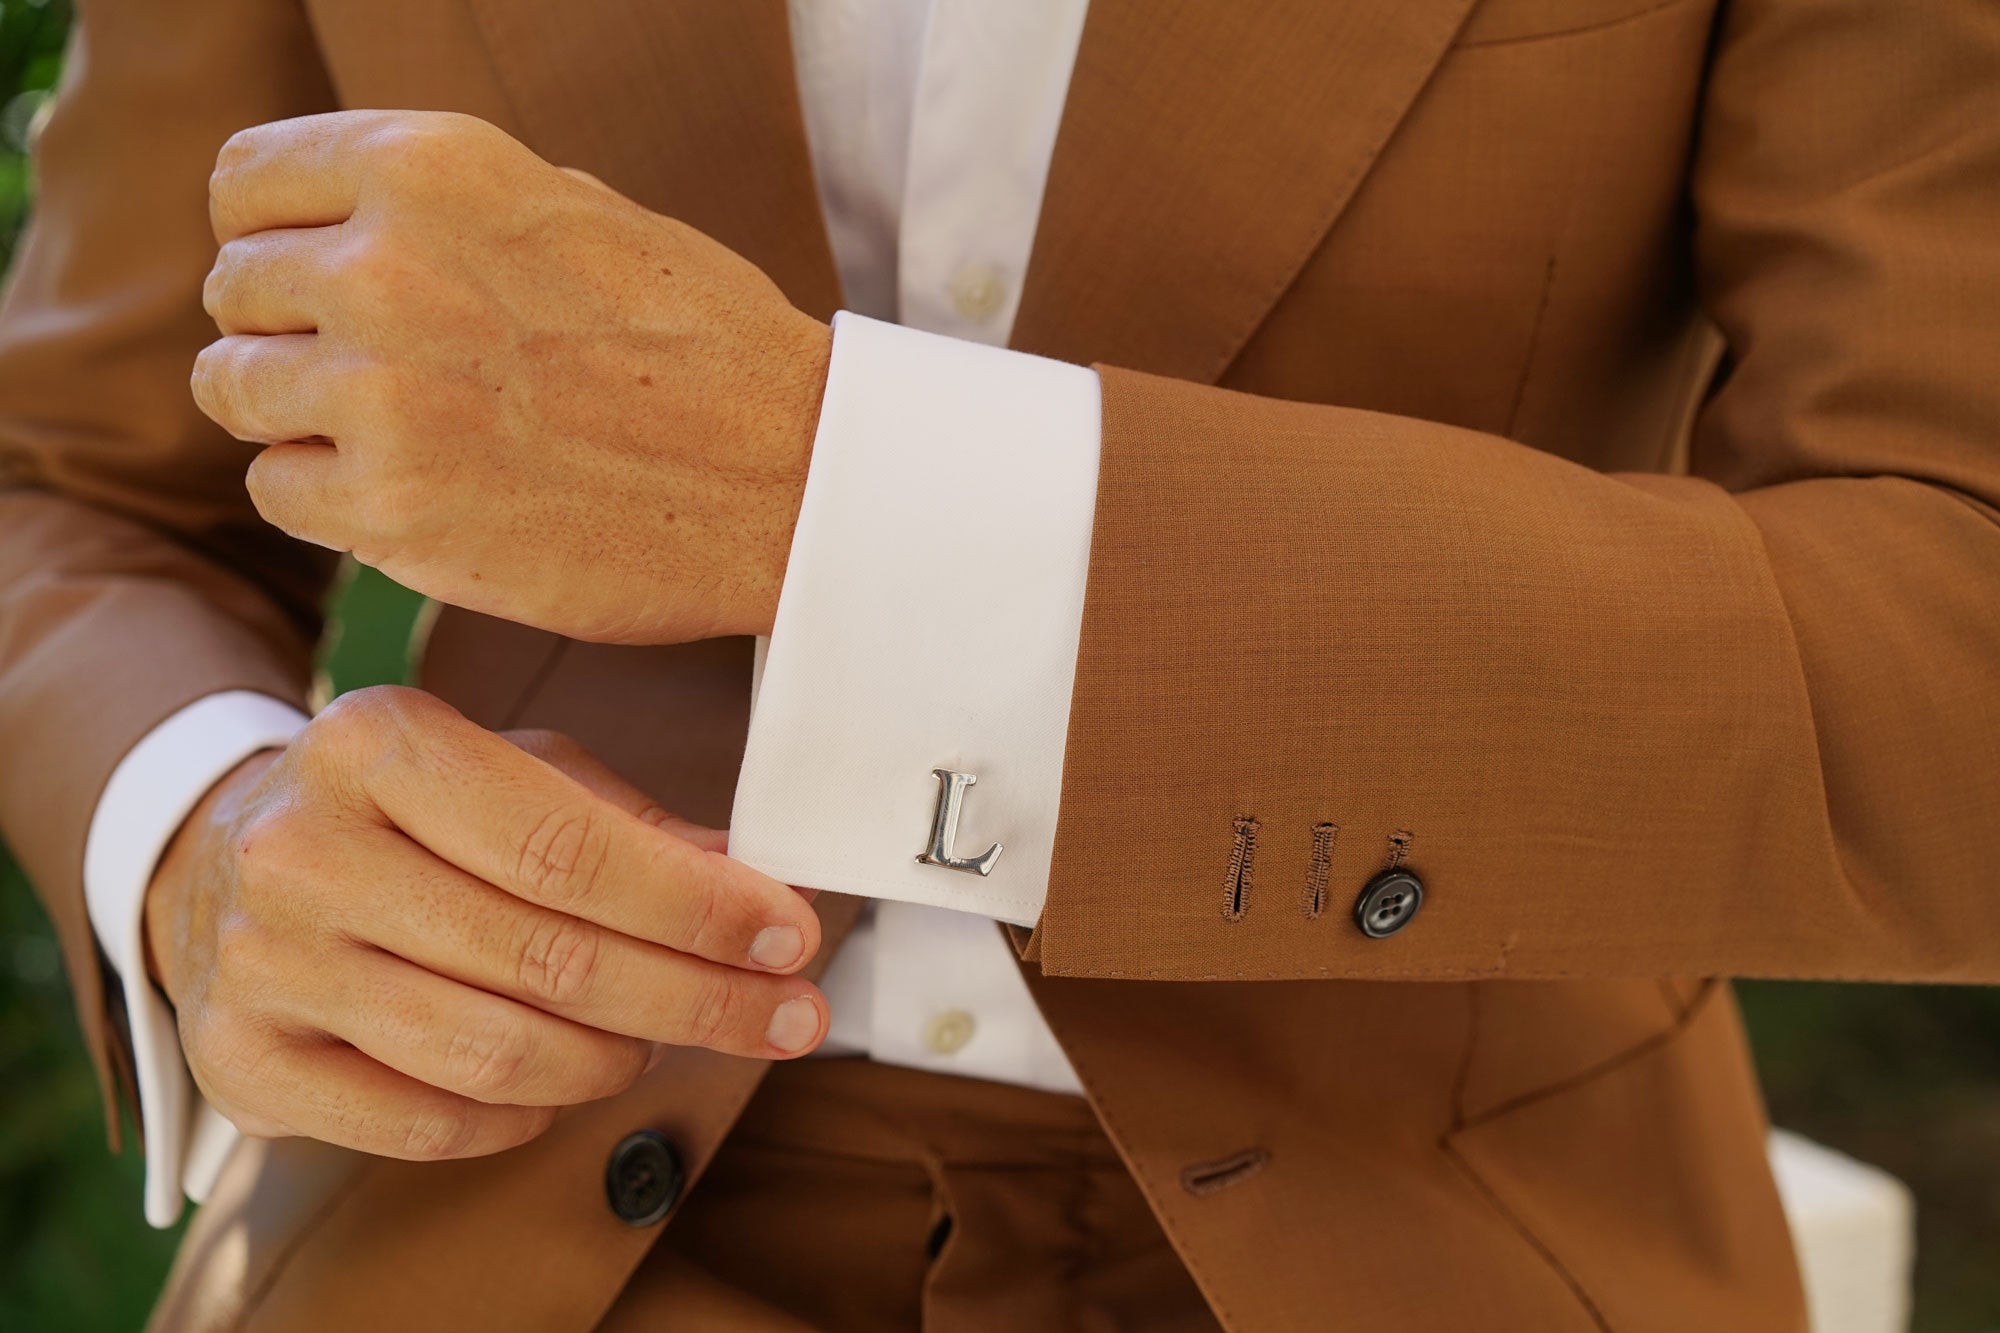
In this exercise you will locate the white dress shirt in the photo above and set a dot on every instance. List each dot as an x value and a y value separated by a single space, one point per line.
931 608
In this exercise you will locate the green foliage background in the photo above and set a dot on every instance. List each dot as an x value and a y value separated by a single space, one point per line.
1905 1077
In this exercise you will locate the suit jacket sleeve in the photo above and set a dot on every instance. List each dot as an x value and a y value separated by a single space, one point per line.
1745 721
134 575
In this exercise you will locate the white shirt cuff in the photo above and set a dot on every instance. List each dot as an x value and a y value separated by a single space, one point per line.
148 796
929 619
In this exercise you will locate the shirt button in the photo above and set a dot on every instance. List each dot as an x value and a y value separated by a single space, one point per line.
947 1033
977 291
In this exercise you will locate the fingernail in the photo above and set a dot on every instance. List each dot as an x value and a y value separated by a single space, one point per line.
777 947
794 1024
659 1054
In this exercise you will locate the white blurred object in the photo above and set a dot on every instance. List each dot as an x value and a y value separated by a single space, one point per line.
1854 1226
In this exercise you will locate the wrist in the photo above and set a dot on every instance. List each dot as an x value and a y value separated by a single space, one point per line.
169 906
795 411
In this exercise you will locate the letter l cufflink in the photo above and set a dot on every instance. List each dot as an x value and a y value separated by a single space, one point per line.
944 828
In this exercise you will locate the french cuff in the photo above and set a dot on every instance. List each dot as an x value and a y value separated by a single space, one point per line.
927 625
151 791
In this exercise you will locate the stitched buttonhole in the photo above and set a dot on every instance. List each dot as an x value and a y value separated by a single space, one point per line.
1399 847
1236 887
1320 870
1209 1177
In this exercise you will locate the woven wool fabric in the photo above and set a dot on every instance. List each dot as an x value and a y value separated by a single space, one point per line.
1426 512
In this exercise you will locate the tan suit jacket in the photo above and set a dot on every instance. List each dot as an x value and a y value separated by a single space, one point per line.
1427 512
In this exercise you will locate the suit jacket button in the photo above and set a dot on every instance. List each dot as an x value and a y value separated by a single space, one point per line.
643 1179
1388 903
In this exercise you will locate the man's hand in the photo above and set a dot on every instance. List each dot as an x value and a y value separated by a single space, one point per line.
502 383
405 934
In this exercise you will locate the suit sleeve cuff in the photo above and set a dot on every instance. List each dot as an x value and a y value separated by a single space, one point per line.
929 620
151 791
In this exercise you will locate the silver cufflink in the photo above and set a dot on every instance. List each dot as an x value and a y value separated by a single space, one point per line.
944 828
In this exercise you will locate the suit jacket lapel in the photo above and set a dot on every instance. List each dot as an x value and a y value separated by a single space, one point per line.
692 109
1205 150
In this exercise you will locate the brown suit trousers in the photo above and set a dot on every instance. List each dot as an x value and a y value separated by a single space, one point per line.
859 1197
1552 444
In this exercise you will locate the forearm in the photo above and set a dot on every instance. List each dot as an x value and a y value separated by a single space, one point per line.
1618 725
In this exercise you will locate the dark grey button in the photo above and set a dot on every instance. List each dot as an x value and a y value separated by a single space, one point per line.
1388 903
643 1178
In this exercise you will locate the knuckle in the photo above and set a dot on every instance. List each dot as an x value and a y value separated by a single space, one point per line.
563 856
713 1013
237 153
217 368
241 154
559 961
418 146
392 505
266 494
253 970
398 145
272 850
349 725
623 1068
550 746
718 924
240 149
212 288
405 714
437 1133
606 1065
374 268
488 1058
365 721
414 156
235 1054
460 126
234 262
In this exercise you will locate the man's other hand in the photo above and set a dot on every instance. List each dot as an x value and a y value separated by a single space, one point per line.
504 384
409 935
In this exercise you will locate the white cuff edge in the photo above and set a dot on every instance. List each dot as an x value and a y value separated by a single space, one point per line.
143 804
